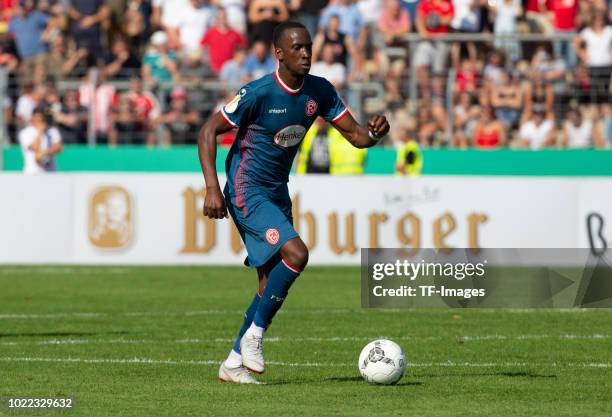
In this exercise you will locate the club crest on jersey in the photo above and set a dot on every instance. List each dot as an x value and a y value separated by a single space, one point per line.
311 107
290 136
272 236
233 105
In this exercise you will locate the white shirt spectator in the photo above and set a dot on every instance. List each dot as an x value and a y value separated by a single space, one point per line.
534 134
236 16
171 10
25 106
334 73
466 19
193 22
581 136
598 46
370 10
27 137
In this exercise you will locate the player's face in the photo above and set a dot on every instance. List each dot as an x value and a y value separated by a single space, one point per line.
296 51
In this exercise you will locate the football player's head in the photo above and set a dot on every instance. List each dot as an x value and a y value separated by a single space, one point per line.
293 47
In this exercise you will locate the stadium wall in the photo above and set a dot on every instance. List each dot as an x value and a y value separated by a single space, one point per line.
553 162
156 218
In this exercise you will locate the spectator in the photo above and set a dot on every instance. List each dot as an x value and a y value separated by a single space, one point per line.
87 16
58 21
344 47
233 71
433 18
370 11
165 14
145 106
393 23
104 96
121 63
335 72
579 132
466 79
40 142
221 42
538 132
552 71
126 126
351 21
159 64
427 129
135 24
31 98
564 13
466 115
467 19
193 22
313 156
264 16
506 13
489 132
179 125
537 16
8 60
28 26
259 62
236 16
308 12
594 47
72 119
77 64
507 100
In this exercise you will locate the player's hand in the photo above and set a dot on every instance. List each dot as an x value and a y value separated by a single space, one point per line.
379 126
214 204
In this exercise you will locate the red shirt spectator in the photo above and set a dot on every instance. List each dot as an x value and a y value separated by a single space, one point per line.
536 6
222 42
436 14
564 13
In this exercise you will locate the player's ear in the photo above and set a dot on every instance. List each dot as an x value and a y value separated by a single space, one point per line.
279 54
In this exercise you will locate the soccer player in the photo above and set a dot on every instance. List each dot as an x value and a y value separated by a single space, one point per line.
272 115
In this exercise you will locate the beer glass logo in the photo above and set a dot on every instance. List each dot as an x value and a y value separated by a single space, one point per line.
110 218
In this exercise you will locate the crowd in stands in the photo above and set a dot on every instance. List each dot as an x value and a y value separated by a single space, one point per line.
135 69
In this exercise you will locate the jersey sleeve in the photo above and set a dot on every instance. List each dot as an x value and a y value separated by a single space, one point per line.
333 109
240 109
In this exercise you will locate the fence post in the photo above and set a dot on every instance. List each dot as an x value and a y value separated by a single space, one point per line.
450 99
3 129
91 117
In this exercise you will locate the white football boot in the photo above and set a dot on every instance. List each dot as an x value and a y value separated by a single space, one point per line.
240 375
251 349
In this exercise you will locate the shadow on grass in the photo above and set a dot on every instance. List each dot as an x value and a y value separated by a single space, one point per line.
508 374
61 334
350 379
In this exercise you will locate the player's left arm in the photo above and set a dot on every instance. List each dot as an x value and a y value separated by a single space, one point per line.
361 136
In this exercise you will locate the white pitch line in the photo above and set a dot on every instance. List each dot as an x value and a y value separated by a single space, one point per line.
448 364
307 339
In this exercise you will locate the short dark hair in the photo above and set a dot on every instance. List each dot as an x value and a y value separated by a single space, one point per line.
280 30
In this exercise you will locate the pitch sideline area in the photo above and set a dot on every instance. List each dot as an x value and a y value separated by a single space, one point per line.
135 341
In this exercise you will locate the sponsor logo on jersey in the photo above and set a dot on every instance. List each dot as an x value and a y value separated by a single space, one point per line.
110 220
311 107
233 105
277 111
272 236
290 136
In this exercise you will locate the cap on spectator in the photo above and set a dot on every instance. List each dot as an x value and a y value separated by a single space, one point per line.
539 109
159 38
178 92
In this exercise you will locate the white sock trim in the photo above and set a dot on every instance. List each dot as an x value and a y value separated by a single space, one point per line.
234 360
256 330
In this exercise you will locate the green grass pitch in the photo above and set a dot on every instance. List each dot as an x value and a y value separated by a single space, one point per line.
146 341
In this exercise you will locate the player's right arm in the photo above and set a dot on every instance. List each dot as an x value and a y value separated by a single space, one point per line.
214 202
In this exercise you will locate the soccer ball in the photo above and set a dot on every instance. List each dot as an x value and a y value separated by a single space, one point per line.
382 362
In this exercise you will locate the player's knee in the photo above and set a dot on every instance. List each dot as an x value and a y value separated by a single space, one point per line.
296 255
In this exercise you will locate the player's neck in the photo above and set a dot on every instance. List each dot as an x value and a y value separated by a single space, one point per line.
290 80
